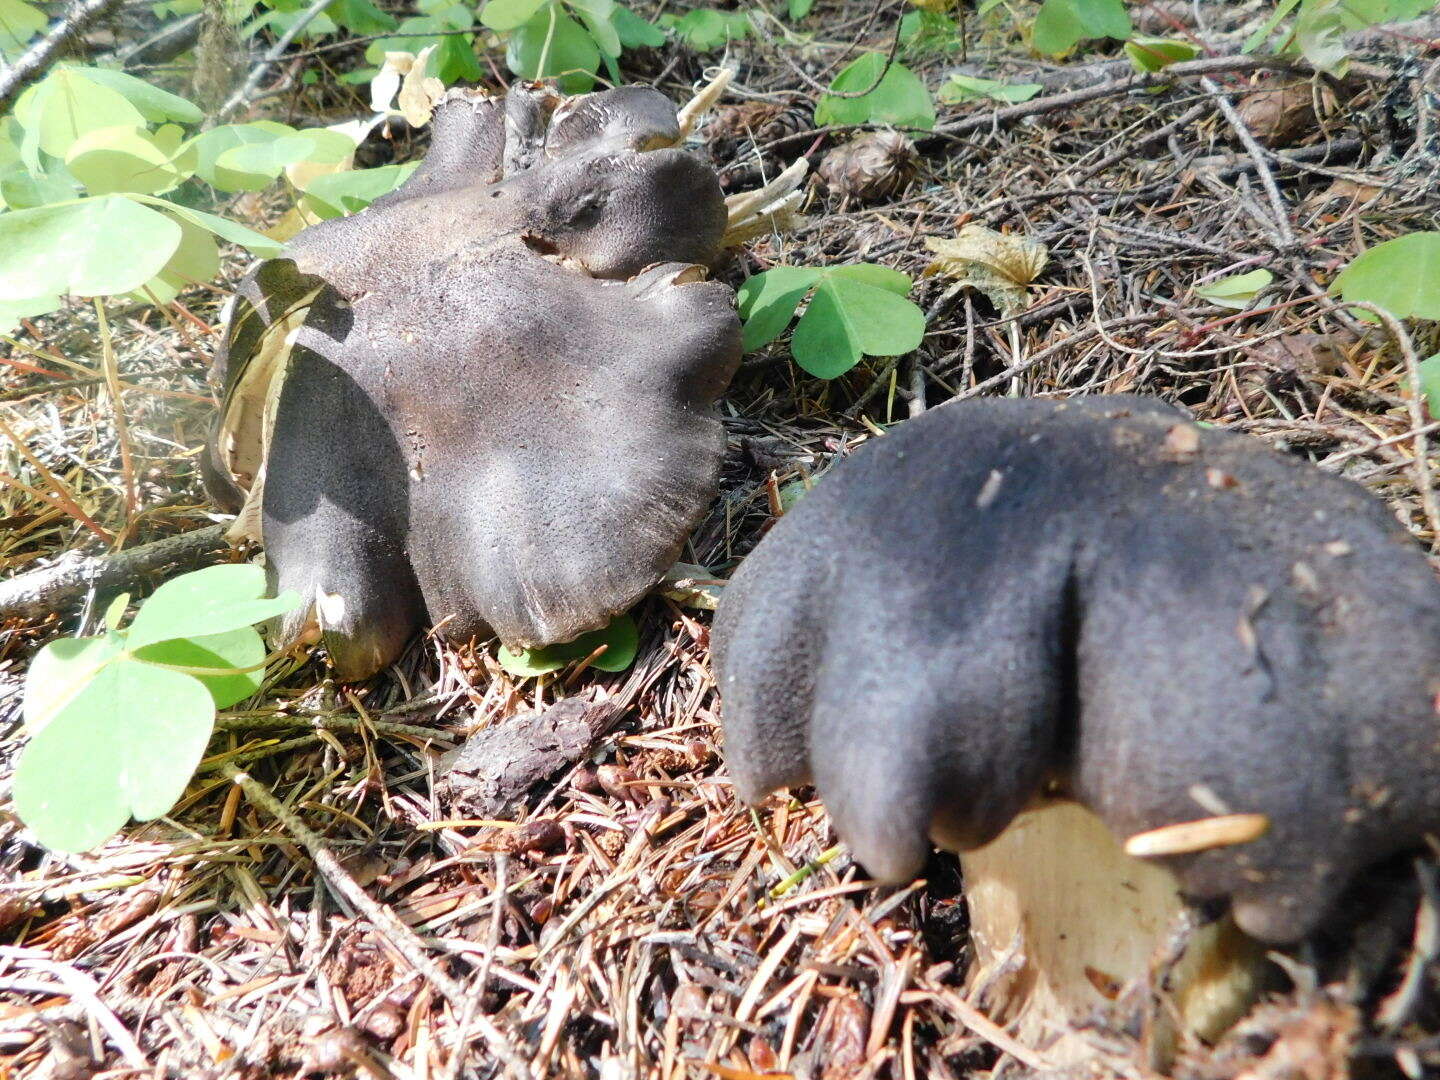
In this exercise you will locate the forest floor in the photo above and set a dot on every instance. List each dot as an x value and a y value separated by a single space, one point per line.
655 927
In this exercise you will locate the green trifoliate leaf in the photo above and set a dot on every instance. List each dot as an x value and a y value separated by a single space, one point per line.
215 600
124 746
767 302
849 318
338 194
89 247
156 105
65 106
1401 275
899 98
1060 25
242 648
552 45
503 15
61 670
621 639
109 160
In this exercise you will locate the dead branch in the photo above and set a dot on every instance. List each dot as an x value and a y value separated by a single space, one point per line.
40 592
37 59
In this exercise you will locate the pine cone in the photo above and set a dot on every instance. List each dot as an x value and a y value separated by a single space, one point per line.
738 129
870 167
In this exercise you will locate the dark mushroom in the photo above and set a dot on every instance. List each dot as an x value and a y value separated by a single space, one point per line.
484 401
1024 629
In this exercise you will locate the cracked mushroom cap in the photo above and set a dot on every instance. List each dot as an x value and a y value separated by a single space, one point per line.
483 403
1100 600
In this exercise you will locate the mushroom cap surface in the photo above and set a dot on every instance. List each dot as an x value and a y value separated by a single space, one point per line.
494 413
1094 599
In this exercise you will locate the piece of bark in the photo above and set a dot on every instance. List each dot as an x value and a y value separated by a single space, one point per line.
493 772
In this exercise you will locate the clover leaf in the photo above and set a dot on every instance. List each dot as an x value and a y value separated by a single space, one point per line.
621 640
1400 275
855 310
898 97
118 723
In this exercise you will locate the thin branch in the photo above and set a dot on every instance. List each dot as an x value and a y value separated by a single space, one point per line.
241 97
37 59
38 593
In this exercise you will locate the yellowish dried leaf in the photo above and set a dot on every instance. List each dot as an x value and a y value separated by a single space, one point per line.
419 93
999 265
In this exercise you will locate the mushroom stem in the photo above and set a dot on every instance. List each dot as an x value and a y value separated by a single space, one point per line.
1063 921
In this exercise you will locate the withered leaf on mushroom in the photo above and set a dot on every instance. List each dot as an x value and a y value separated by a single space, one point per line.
483 403
1028 630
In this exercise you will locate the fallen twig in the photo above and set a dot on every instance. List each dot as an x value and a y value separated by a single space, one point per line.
38 57
40 592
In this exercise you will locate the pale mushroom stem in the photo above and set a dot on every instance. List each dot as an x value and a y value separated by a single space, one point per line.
1062 920
773 206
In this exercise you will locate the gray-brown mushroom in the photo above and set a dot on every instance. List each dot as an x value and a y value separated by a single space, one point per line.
483 403
1056 636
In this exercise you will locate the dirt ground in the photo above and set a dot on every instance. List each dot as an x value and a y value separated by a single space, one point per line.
637 921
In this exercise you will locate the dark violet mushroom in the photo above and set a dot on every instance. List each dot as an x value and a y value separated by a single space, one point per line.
1127 665
484 402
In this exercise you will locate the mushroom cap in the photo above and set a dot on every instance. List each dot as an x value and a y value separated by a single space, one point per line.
495 408
1097 599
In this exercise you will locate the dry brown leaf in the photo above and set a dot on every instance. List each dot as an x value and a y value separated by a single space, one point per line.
1000 265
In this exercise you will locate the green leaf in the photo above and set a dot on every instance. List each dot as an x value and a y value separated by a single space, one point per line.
19 22
207 602
156 105
89 247
65 106
338 194
125 745
503 15
596 14
242 648
61 670
633 31
1063 24
109 160
798 9
1430 384
848 318
1400 275
1153 53
621 637
196 261
706 29
767 302
552 44
361 17
1237 291
211 145
1255 40
900 98
969 87
1319 34
1105 18
12 311
265 160
257 244
879 277
22 189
